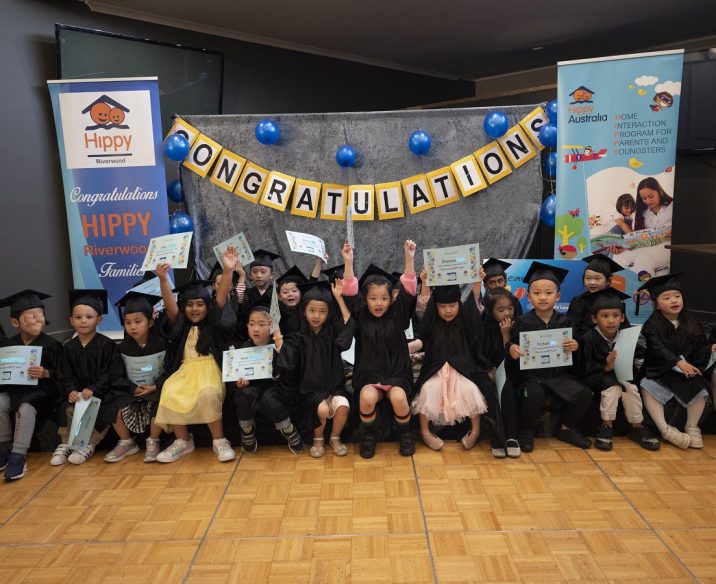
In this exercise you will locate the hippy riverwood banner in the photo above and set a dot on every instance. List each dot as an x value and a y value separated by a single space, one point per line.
110 142
617 124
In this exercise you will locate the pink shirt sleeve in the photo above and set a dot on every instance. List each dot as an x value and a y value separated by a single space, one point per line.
350 286
410 283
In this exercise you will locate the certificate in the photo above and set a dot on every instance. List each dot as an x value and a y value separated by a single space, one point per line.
14 362
349 355
542 349
452 265
350 238
154 288
500 379
248 363
307 243
274 311
239 241
144 370
625 347
168 249
83 420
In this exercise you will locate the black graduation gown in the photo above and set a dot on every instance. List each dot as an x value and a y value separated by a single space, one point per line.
252 297
45 394
99 367
580 314
290 319
155 344
592 362
665 344
381 351
560 380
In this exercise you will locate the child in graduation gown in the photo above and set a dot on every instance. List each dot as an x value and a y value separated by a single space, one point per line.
677 354
260 275
200 331
288 289
531 385
316 355
27 315
382 367
447 390
90 366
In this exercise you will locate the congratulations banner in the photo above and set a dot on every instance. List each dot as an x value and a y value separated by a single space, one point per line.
110 144
617 124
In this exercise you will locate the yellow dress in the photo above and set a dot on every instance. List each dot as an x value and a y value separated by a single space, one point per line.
194 393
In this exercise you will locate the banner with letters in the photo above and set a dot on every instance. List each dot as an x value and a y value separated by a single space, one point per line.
617 124
110 145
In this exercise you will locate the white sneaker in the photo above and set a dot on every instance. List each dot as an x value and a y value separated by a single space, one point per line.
59 456
80 456
176 450
224 451
152 450
123 448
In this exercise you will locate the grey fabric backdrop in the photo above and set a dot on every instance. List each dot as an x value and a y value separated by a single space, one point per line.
503 218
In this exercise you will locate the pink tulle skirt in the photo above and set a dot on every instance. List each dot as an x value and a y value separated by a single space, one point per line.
448 398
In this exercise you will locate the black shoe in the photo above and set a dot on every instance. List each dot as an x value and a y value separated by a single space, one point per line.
16 467
527 441
367 446
644 438
574 437
603 438
248 441
406 443
295 442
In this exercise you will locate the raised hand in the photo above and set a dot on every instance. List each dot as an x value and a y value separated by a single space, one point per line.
230 258
410 248
162 270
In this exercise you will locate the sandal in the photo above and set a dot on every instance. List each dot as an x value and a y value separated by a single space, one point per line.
317 450
339 449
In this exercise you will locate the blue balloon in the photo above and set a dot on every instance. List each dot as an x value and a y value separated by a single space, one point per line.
175 192
552 111
267 132
548 135
176 147
547 210
496 124
419 142
180 222
549 164
346 156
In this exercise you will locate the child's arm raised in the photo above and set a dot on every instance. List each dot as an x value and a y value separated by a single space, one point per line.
337 289
228 260
316 272
410 248
347 253
170 304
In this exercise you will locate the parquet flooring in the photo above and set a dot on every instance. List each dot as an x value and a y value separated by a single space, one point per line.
559 514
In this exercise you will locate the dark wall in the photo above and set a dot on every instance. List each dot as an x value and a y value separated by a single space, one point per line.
257 79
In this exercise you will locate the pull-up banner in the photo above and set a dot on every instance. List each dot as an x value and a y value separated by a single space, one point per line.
616 130
110 143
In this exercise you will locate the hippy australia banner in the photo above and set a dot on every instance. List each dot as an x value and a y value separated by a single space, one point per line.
110 143
618 118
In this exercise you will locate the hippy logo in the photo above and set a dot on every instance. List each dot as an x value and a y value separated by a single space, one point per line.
106 113
582 95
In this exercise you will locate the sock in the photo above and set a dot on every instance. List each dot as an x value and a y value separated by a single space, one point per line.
247 426
287 429
127 441
368 418
403 420
655 409
694 411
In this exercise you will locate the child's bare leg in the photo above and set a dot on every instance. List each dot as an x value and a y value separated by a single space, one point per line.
181 432
401 409
121 428
340 417
154 431
216 428
429 438
317 449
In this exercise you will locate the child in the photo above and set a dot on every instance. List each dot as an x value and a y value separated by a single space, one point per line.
263 394
27 315
597 276
626 205
90 366
676 351
532 384
493 275
446 389
316 355
194 392
136 311
260 274
382 366
597 357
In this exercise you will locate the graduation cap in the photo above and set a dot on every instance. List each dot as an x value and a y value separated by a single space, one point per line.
317 290
446 294
334 272
375 274
602 264
22 301
263 258
94 298
133 302
194 290
540 271
606 298
293 274
494 267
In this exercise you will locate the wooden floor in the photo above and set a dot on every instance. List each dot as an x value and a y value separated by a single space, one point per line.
558 515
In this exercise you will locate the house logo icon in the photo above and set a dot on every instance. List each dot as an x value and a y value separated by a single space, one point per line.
106 113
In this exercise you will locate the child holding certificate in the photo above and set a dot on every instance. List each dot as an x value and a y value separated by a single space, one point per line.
382 368
263 395
316 356
597 358
260 274
91 366
200 330
677 354
531 385
141 341
27 315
